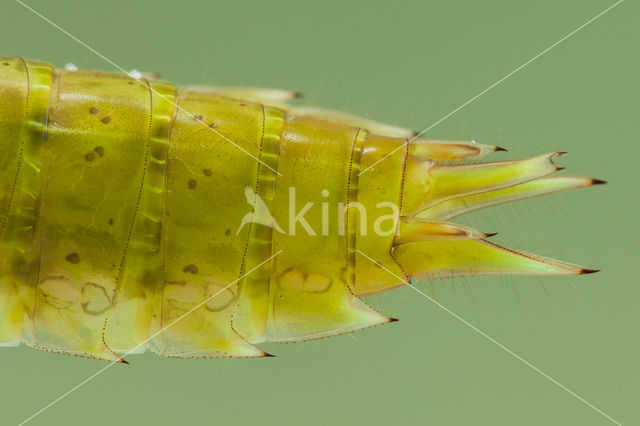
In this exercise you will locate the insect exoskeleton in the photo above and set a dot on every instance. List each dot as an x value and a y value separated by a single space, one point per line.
199 222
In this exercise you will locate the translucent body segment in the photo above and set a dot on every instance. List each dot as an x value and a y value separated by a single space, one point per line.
13 111
135 315
380 195
97 133
443 259
428 184
353 121
310 295
18 245
278 98
310 306
22 229
463 205
253 301
206 181
253 94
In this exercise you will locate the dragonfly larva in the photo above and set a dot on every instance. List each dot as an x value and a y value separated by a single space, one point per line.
126 203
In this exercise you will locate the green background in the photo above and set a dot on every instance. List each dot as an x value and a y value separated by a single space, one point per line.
409 64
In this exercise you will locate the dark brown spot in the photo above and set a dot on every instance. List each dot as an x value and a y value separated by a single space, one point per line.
131 83
6 64
190 269
73 258
207 172
93 111
213 125
90 157
227 232
106 120
99 150
193 183
111 222
198 117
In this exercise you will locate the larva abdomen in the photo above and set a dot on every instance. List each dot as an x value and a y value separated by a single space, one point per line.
127 204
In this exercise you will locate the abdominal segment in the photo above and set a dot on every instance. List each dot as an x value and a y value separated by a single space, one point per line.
199 222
